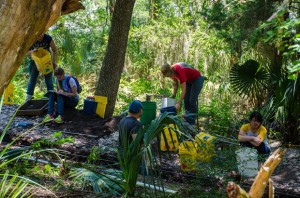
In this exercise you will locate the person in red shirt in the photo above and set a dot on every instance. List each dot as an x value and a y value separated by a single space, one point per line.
191 83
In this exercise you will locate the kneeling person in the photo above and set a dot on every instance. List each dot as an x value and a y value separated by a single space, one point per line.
129 125
66 95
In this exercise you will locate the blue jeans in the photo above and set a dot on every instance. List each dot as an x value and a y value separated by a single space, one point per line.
62 102
193 90
261 149
34 73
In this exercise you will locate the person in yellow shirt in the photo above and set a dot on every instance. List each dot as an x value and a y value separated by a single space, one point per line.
254 134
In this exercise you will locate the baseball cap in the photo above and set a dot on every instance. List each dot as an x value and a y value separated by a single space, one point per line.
135 106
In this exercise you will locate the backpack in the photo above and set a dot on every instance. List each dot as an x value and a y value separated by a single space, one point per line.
79 89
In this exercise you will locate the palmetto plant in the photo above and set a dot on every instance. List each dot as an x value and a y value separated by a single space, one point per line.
249 79
283 105
138 155
110 182
107 182
13 185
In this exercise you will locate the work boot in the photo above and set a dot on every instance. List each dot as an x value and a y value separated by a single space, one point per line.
48 118
59 119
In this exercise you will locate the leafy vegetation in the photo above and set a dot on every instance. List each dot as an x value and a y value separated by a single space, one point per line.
251 62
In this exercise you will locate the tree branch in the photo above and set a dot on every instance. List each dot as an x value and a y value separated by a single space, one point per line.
261 180
280 8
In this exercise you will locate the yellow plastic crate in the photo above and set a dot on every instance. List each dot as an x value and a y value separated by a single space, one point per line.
101 105
187 156
42 59
9 94
205 146
171 137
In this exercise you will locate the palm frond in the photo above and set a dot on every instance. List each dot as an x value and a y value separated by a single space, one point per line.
249 79
1 102
138 155
8 124
100 182
14 186
25 153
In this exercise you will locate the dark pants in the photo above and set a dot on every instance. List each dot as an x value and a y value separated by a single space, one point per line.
193 90
261 149
62 102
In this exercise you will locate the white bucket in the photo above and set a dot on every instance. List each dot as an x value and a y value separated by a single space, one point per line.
247 161
168 102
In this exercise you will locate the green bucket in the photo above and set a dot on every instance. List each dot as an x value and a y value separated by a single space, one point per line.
149 112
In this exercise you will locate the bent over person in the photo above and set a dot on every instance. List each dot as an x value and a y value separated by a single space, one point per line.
191 83
66 96
254 134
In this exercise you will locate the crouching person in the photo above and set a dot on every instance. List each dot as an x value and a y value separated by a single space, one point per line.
254 134
129 126
65 96
131 141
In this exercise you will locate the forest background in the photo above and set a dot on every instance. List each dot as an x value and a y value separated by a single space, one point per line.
249 50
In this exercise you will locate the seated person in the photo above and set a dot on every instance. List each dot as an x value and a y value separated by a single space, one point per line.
66 96
254 134
129 125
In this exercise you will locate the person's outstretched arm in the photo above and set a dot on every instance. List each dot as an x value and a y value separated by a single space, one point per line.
182 94
175 87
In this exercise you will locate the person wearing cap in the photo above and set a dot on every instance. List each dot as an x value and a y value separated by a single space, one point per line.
129 125
191 83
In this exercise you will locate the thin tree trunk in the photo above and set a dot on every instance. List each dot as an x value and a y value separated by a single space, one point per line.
21 22
113 62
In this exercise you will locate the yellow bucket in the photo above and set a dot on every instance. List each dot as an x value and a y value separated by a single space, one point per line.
171 137
42 59
205 146
8 94
101 105
187 156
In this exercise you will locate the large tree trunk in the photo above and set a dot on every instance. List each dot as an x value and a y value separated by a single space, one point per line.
113 62
21 22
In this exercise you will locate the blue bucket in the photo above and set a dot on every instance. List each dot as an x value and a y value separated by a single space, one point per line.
89 107
171 110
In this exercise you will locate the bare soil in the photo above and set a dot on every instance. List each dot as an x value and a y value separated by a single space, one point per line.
89 131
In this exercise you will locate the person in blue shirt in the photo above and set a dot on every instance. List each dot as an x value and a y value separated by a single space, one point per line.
66 96
46 42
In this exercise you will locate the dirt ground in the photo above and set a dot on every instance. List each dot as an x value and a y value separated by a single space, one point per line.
76 121
89 131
